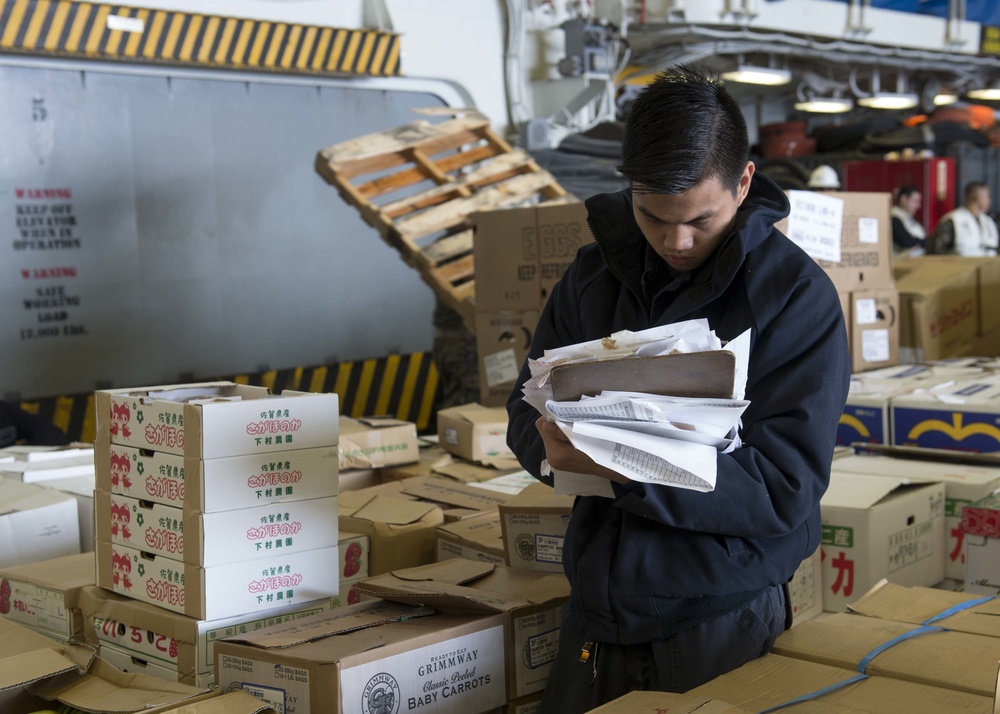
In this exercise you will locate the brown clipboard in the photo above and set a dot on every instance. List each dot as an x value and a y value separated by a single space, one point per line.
695 374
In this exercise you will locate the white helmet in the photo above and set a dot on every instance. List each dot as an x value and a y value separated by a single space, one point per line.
824 177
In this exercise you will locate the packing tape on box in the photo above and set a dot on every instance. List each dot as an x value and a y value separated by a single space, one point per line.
955 609
818 693
924 630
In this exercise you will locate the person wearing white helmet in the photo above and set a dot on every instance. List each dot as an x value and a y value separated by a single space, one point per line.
824 178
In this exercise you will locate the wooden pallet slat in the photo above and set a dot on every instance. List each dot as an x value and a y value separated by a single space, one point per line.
468 168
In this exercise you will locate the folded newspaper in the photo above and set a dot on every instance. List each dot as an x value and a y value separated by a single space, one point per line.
649 434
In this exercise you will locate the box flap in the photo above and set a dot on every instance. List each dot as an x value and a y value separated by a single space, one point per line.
858 490
16 496
539 495
381 422
457 571
394 511
232 703
642 702
453 494
915 605
68 572
108 690
27 667
347 619
909 467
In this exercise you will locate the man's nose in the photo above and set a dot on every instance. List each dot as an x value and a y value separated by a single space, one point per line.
677 238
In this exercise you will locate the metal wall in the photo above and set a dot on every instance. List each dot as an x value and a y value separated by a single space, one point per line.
165 224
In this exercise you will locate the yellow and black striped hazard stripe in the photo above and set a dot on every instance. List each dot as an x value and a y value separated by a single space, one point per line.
120 32
404 386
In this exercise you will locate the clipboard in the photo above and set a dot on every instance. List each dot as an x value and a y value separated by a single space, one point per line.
695 374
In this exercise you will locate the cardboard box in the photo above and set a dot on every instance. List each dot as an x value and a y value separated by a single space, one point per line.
960 417
773 680
874 328
355 658
354 550
357 479
476 433
865 243
430 456
457 500
643 702
215 419
212 539
36 523
217 484
503 339
478 539
131 663
940 658
981 525
468 472
939 312
350 594
40 471
181 644
878 527
251 586
401 533
806 589
534 527
987 284
531 704
963 483
43 596
374 442
531 603
81 488
38 671
218 703
916 606
521 253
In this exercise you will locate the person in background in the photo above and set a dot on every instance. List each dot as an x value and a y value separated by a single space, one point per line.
672 587
968 230
20 427
908 235
824 178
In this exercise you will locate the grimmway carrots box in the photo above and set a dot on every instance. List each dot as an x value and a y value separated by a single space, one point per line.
217 484
211 539
250 586
43 595
371 657
215 419
168 639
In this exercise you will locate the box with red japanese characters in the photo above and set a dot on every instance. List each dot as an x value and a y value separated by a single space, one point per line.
217 484
878 527
168 640
244 587
211 539
43 595
215 419
963 484
981 524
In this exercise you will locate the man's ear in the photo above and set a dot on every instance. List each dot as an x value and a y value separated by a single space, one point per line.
744 186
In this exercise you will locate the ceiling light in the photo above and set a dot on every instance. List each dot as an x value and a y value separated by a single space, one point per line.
944 98
749 74
825 105
890 100
987 93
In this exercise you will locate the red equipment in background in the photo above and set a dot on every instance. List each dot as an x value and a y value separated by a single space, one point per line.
934 177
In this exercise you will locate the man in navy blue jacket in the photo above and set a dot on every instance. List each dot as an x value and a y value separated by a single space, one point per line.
672 587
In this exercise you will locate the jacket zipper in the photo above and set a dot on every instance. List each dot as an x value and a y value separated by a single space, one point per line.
618 276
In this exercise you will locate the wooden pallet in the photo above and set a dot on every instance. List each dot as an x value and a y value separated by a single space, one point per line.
418 184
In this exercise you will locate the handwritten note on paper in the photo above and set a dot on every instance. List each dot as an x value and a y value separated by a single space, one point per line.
815 223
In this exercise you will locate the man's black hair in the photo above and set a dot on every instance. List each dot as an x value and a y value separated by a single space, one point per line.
906 191
684 128
972 188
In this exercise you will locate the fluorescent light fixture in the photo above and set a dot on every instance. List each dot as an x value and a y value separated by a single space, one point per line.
825 105
749 74
987 93
944 99
890 100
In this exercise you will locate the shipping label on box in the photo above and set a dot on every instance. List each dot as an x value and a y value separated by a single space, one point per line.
963 484
534 527
981 524
502 342
42 595
520 253
878 527
353 556
210 539
806 589
965 417
215 420
222 591
536 639
874 328
217 484
375 442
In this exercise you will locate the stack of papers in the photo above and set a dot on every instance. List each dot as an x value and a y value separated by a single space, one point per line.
646 436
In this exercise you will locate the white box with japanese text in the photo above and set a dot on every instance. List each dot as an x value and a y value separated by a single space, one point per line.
43 595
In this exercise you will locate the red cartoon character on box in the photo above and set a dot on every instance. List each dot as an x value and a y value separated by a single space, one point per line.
121 566
120 416
120 518
120 468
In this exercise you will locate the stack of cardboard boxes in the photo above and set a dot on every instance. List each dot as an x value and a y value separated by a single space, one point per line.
216 506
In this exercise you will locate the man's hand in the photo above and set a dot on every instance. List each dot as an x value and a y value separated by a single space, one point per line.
563 456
